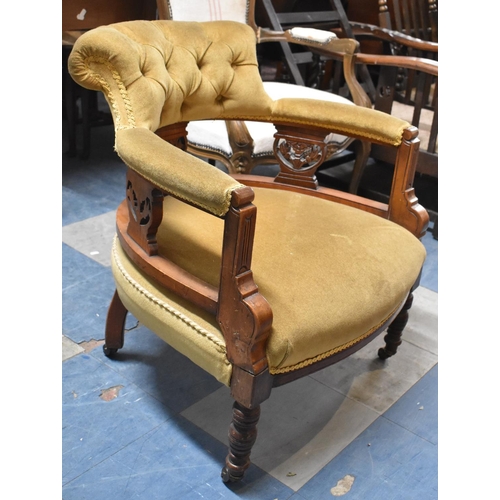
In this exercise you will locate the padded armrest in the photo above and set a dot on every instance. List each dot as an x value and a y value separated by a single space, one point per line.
314 38
354 121
327 40
176 172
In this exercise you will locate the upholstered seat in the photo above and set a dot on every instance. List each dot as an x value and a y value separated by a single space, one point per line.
257 280
364 278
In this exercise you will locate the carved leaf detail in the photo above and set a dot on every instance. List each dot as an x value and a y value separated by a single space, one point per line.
299 154
140 210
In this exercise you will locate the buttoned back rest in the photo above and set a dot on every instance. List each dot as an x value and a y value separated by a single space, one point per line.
155 73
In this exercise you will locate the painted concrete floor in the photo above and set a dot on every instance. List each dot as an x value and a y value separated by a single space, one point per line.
151 425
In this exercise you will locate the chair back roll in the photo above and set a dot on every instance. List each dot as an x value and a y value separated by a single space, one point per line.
172 71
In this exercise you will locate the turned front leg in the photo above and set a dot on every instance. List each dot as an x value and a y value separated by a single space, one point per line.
395 331
242 436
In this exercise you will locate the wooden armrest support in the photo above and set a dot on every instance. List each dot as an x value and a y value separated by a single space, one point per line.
237 302
240 303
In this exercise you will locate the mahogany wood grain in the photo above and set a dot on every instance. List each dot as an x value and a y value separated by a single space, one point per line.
244 316
395 331
242 435
115 325
145 208
164 271
372 206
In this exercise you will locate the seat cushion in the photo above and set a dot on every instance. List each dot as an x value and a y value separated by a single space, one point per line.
331 273
212 134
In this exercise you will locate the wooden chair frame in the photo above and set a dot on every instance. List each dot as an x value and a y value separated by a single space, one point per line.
240 310
251 382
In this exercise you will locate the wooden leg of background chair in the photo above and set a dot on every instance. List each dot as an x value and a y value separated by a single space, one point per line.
86 97
362 149
395 331
70 107
115 326
435 229
242 436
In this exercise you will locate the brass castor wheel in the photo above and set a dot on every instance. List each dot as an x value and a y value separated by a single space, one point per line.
227 477
108 351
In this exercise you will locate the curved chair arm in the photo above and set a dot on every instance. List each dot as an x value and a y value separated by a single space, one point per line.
302 125
171 169
428 66
237 301
363 29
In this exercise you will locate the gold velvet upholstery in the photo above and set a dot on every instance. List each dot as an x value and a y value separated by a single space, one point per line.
364 278
257 281
174 71
171 72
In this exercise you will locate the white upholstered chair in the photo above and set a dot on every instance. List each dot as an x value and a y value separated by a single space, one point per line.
241 146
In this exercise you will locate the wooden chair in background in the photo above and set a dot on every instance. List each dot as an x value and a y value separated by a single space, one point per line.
241 146
403 70
325 15
77 18
404 29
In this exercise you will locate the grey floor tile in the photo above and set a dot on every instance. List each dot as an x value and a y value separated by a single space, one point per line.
378 384
386 462
174 461
92 237
375 383
417 410
302 427
70 348
422 329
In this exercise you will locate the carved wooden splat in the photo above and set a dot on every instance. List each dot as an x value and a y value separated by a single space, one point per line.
145 205
299 155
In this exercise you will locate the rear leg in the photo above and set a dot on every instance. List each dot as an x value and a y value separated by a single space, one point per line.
115 326
395 331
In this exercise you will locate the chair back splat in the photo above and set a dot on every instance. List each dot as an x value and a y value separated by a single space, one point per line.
257 280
